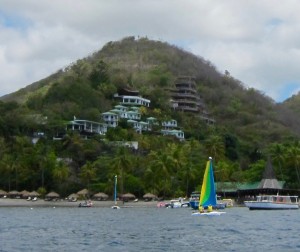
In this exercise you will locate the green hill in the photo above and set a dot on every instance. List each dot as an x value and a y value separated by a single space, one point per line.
247 126
152 67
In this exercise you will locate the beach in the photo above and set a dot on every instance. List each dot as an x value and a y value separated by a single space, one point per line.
7 202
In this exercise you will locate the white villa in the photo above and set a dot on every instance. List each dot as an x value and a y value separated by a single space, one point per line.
87 126
169 124
133 100
128 109
177 133
111 119
170 128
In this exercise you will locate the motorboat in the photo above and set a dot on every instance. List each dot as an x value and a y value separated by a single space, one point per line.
273 202
86 204
177 203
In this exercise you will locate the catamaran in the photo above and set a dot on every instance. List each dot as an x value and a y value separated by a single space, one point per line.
208 198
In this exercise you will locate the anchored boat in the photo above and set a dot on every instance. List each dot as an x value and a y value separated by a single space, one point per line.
273 202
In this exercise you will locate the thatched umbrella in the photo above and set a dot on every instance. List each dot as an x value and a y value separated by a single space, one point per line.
52 196
128 196
25 194
3 193
34 194
83 192
14 194
100 196
149 196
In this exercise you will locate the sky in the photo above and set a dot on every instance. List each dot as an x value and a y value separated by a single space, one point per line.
257 41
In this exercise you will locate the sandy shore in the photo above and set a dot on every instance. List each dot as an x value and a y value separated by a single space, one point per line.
4 202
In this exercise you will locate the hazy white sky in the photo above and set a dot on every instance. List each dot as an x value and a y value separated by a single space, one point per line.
257 41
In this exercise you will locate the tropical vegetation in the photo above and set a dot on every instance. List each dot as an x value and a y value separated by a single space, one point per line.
248 127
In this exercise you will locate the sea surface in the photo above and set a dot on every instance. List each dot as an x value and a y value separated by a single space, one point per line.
147 229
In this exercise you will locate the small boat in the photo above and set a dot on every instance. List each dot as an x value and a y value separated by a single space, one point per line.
273 202
208 199
194 202
161 204
177 203
86 204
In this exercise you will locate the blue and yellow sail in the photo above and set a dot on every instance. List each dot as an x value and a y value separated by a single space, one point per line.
208 191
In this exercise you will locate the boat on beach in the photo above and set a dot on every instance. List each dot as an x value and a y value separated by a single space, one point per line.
86 204
273 202
177 203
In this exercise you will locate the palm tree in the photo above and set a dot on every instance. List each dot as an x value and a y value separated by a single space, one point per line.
215 146
277 153
293 154
161 163
190 152
121 164
60 172
88 172
7 167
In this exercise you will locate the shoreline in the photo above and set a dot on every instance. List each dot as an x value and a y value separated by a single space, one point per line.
6 202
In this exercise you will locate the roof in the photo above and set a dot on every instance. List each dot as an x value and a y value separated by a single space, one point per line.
270 183
269 178
109 113
234 186
83 192
269 171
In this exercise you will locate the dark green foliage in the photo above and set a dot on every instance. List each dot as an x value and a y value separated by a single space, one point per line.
99 74
247 126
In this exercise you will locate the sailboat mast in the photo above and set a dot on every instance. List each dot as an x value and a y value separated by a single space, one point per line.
115 193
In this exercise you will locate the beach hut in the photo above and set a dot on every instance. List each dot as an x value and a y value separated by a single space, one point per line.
3 194
14 194
52 196
149 197
24 194
34 194
128 196
100 196
84 193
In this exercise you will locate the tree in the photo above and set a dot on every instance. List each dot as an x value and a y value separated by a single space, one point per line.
99 74
277 153
190 154
7 168
87 173
293 157
160 163
60 173
121 164
215 146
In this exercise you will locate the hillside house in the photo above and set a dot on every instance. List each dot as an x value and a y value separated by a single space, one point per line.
86 127
111 119
171 128
131 98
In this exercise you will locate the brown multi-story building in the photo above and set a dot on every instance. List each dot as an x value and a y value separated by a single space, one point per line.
186 98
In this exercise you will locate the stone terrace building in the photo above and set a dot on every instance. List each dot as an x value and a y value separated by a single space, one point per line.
186 98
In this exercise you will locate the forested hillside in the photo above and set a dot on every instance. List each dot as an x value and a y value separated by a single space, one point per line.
248 127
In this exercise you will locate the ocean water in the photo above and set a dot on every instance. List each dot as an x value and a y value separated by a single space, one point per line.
147 229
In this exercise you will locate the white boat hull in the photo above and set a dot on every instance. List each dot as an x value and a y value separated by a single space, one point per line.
254 205
213 213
